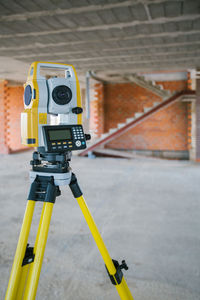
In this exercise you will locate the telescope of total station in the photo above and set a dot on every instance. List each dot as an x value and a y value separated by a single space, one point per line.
52 123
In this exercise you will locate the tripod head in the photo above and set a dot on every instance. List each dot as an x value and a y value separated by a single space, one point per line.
51 162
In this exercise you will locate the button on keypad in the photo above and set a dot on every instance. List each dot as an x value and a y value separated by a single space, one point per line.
78 143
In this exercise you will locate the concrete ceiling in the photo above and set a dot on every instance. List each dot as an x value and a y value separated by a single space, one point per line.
103 36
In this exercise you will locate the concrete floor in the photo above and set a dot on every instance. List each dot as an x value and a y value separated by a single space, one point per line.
147 210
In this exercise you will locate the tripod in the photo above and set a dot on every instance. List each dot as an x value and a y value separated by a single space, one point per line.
49 171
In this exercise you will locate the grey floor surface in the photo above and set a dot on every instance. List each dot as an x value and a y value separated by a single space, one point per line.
147 210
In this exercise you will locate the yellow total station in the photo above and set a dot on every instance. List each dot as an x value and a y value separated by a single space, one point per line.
45 96
51 122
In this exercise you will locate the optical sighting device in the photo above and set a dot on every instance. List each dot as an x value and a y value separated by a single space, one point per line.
52 122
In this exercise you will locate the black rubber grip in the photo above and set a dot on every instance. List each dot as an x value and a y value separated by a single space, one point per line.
76 191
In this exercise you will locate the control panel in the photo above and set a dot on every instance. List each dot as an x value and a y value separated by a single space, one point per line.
61 138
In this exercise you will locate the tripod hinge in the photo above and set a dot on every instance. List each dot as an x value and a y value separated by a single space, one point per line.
29 256
117 277
43 189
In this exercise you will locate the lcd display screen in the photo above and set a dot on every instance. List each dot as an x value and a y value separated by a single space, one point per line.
61 134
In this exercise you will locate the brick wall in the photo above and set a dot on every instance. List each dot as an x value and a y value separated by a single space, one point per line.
173 86
16 106
165 130
189 123
97 113
198 121
4 148
11 105
123 100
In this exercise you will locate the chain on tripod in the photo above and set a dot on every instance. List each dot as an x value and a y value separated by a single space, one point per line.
52 123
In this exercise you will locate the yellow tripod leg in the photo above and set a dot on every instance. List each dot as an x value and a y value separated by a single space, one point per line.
25 269
23 278
41 239
121 287
15 275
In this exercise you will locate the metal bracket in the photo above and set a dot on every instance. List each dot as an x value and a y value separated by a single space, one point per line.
117 277
29 256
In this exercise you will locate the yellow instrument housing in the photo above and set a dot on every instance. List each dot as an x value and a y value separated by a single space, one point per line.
35 115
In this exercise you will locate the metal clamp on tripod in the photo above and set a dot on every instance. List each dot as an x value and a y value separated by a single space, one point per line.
56 99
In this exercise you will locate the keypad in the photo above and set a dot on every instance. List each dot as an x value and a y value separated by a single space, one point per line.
78 133
78 141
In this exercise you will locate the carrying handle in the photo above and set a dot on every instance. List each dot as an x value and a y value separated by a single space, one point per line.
34 72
